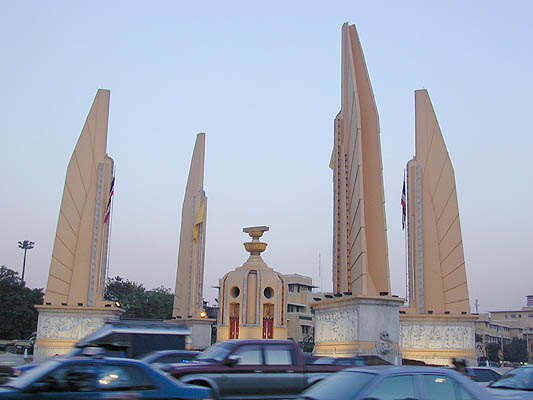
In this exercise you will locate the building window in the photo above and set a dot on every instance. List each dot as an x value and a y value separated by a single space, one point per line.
519 315
305 330
513 315
530 315
291 288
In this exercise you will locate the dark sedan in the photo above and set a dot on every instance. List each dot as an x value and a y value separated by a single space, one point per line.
98 378
392 383
169 356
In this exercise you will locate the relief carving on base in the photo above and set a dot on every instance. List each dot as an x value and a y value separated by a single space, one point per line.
436 336
336 326
72 327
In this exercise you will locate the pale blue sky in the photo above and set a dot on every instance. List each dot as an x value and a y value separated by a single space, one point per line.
263 82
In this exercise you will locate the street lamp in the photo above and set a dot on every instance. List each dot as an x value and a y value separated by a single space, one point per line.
26 245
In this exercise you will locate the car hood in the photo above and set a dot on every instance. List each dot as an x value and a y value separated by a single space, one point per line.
510 393
6 391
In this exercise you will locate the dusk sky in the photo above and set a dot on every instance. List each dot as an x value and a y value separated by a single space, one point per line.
263 82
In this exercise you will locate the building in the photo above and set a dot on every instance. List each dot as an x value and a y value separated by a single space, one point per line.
300 319
520 322
253 297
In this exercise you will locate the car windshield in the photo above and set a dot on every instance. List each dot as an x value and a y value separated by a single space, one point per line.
343 385
28 377
217 352
518 378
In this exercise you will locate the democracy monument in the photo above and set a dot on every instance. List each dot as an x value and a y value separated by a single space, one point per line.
361 316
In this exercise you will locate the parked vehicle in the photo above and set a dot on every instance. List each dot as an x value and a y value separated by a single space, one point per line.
352 361
169 356
253 369
483 375
97 378
514 384
126 339
137 337
395 382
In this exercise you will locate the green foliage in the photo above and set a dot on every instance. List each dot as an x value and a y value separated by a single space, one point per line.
137 301
18 316
492 351
516 351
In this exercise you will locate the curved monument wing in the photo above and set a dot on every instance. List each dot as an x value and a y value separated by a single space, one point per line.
188 299
360 242
77 268
445 286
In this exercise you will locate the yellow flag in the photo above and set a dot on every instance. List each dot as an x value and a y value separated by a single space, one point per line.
200 218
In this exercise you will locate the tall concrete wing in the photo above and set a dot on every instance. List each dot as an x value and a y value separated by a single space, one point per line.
79 258
435 246
360 255
188 298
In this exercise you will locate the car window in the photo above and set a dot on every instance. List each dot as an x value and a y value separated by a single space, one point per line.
278 355
69 378
249 355
344 385
216 352
484 375
394 388
113 377
439 387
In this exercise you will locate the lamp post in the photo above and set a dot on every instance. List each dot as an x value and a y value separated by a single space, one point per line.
25 245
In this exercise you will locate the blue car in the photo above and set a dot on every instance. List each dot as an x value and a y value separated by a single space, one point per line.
394 382
98 378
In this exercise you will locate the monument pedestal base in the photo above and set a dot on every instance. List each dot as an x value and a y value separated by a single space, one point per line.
200 337
436 339
59 328
359 325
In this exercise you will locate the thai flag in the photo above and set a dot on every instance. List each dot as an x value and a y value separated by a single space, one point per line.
404 206
108 208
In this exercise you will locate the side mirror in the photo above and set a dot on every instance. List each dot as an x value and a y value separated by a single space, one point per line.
232 360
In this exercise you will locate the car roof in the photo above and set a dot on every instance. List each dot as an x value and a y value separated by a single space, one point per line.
98 359
392 369
256 341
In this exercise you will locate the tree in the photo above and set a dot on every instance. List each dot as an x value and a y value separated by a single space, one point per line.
516 351
18 316
137 301
492 351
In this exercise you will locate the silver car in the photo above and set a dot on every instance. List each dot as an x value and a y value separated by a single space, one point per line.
394 382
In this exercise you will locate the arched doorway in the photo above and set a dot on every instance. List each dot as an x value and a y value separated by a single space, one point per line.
268 321
234 320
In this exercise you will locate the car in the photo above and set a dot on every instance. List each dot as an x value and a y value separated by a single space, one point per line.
487 363
96 378
253 368
169 356
514 384
340 360
397 382
483 375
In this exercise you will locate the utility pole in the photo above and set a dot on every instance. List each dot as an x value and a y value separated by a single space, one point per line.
25 245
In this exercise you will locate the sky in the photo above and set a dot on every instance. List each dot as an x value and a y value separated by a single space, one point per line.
263 81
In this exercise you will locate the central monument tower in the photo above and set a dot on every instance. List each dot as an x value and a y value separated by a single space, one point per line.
362 318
